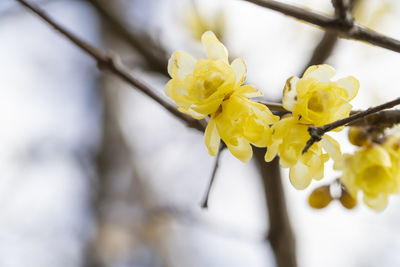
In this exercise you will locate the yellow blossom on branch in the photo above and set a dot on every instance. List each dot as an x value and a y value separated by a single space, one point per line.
374 170
239 123
288 139
315 99
213 87
199 86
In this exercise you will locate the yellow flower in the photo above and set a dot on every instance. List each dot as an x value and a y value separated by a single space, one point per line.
240 122
315 99
288 139
374 170
199 86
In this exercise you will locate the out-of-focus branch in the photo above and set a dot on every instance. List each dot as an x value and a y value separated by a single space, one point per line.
155 55
204 204
344 29
328 42
112 63
316 133
382 119
280 233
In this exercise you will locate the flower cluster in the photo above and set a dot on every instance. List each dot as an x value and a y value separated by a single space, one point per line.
212 87
374 169
313 100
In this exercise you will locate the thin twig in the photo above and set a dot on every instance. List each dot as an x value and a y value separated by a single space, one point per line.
204 204
316 133
111 62
355 32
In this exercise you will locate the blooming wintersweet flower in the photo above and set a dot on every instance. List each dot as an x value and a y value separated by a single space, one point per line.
288 139
315 99
199 86
239 122
374 170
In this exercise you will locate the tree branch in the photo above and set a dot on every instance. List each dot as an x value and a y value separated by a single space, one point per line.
316 133
353 31
280 234
112 63
204 204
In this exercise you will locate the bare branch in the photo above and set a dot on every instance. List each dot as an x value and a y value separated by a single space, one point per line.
382 119
316 133
343 12
112 63
204 204
355 32
280 233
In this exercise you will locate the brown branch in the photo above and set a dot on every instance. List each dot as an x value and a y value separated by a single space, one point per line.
328 42
343 11
112 63
204 204
280 233
316 133
382 119
345 30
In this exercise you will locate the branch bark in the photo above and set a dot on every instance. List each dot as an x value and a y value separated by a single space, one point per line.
343 29
316 133
280 234
112 63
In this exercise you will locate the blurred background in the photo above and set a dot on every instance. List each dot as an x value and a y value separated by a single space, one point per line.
94 173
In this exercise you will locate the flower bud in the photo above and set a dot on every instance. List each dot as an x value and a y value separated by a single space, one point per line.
347 200
320 197
358 136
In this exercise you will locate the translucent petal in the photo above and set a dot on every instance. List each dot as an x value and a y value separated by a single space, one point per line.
332 147
322 72
299 176
240 148
379 156
239 66
211 138
289 98
192 113
351 85
248 91
208 108
272 151
214 48
180 65
378 203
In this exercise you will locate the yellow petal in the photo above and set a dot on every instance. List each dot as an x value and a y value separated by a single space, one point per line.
299 177
289 98
180 65
379 156
248 91
214 48
332 147
239 66
378 203
192 113
272 151
322 72
351 85
211 138
240 148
